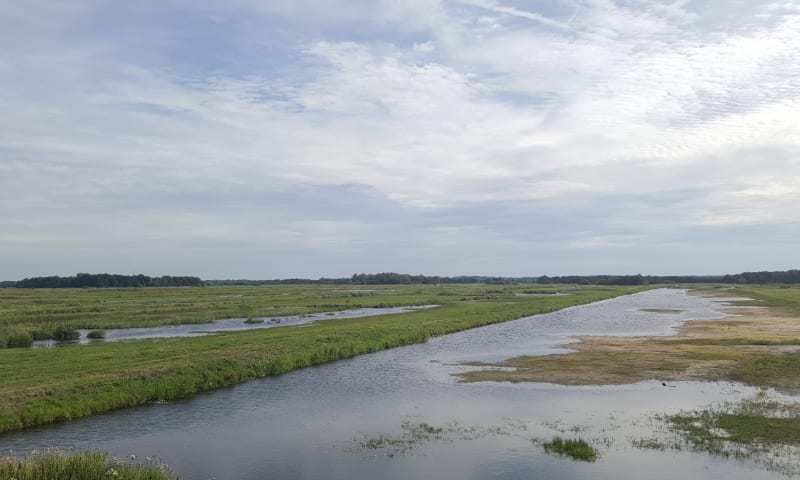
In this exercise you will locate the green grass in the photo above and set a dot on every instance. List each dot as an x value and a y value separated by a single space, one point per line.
42 310
42 386
785 298
54 465
757 428
576 449
15 338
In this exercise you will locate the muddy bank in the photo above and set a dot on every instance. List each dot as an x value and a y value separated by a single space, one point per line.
757 346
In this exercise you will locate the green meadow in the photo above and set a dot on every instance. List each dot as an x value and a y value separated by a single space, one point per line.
45 385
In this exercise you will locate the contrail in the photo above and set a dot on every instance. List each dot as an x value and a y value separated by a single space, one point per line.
494 7
575 13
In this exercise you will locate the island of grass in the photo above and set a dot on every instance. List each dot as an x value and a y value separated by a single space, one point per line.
103 376
576 449
96 334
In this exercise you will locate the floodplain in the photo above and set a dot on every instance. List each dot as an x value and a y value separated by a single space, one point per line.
43 386
718 392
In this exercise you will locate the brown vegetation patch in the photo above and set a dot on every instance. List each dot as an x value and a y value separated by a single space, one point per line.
759 346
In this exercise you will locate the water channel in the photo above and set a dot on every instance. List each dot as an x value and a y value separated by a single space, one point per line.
227 325
316 422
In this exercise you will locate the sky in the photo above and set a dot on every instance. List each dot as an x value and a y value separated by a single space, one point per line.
320 138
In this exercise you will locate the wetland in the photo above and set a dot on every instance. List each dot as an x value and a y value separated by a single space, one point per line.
419 411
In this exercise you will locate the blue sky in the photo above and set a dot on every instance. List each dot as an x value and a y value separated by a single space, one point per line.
258 139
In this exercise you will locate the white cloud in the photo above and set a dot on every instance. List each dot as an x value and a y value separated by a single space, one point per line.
485 105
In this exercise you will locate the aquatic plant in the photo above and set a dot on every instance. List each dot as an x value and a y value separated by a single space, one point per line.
576 449
415 434
96 334
758 428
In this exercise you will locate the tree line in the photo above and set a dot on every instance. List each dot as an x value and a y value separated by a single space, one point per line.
105 280
393 278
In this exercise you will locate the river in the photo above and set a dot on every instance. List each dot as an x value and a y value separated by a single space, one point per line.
320 422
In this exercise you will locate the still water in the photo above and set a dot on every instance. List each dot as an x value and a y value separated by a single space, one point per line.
228 325
314 423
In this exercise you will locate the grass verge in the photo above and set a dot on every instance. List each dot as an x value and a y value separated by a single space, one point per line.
53 464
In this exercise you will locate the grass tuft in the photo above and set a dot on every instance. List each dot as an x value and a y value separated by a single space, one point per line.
96 334
53 464
576 449
15 338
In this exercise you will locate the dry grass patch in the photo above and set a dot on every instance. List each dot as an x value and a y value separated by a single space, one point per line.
759 346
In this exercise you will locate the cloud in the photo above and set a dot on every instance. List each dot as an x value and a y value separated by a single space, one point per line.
489 131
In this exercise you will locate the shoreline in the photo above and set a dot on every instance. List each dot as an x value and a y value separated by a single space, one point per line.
726 349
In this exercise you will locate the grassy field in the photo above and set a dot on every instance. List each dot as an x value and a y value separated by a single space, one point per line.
45 385
53 313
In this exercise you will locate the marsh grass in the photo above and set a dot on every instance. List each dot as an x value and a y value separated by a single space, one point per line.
415 434
15 338
96 334
756 421
576 449
56 465
65 332
41 310
756 428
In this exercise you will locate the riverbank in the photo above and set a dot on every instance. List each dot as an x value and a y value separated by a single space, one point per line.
758 345
43 386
